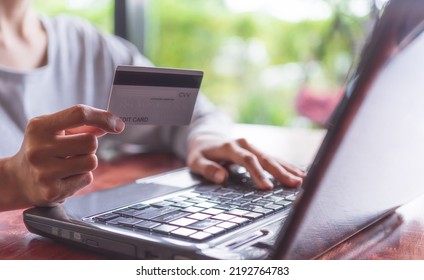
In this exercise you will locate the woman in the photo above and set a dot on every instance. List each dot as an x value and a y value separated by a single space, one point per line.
48 68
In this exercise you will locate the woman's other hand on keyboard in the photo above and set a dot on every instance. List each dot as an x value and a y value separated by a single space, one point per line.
207 152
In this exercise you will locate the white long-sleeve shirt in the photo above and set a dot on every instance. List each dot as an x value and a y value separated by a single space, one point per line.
80 68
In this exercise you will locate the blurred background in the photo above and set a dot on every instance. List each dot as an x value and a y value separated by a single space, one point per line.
275 62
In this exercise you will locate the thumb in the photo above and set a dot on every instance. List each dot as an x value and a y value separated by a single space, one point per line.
210 170
86 129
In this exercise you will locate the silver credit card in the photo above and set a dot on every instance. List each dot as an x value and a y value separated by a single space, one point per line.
155 96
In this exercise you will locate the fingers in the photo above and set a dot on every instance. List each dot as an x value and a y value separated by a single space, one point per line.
207 155
250 161
86 129
73 145
61 147
285 173
58 152
54 180
209 169
290 168
65 168
233 152
80 115
54 194
65 157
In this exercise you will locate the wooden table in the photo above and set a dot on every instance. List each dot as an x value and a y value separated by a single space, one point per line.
400 236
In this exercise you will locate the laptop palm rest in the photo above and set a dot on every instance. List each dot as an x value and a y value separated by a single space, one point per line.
94 203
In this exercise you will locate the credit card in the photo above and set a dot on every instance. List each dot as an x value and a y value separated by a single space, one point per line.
154 96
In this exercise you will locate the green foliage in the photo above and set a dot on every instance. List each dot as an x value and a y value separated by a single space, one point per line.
235 50
191 34
99 12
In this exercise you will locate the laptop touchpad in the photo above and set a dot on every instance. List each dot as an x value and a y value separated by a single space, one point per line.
97 202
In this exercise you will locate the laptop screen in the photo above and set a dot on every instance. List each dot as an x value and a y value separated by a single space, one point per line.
371 159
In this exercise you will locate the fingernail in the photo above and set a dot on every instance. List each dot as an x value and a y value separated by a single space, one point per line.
119 125
299 181
268 184
295 181
219 177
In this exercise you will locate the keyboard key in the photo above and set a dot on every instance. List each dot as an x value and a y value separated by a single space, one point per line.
184 232
106 217
206 188
262 194
199 216
176 199
253 215
290 198
139 206
243 190
212 211
223 217
239 220
248 207
127 212
205 204
284 203
274 198
128 222
252 197
227 225
168 217
226 207
274 206
207 196
232 195
239 188
267 194
190 195
165 228
116 221
146 225
162 203
152 212
214 230
241 202
196 200
204 224
262 210
284 192
200 235
183 222
183 204
219 200
238 212
262 202
193 209
223 191
276 191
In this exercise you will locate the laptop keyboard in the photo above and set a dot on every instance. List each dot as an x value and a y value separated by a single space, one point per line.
202 212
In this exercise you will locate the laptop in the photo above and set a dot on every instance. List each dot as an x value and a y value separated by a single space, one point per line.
369 163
